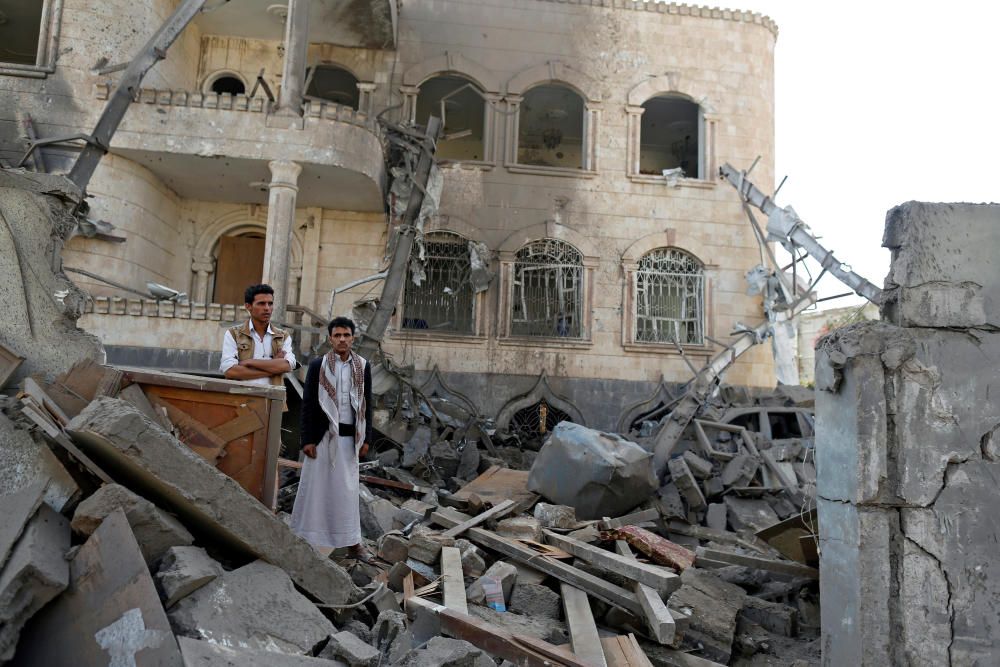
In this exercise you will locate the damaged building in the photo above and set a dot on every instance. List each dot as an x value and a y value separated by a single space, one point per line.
581 246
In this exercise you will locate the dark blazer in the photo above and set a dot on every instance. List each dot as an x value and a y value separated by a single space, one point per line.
314 422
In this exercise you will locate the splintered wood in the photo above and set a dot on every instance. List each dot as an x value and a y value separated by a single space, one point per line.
658 549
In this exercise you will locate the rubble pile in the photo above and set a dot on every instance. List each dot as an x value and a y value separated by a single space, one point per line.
133 546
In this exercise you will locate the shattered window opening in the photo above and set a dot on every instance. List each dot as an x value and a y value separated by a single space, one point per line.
550 128
229 84
333 84
548 276
444 300
670 297
465 115
670 136
21 32
536 421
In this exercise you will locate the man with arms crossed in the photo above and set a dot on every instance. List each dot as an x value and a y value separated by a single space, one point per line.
336 430
255 351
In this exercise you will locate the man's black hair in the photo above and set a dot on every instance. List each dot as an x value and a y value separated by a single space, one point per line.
251 292
345 322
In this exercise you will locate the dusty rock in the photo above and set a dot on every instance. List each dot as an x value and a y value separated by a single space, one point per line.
446 652
377 515
716 517
155 530
183 570
468 465
170 474
254 606
546 629
556 516
416 447
346 647
739 471
17 508
714 605
502 570
404 517
473 563
393 548
778 618
750 513
397 573
391 636
209 654
427 549
24 461
520 528
535 600
527 574
700 468
35 572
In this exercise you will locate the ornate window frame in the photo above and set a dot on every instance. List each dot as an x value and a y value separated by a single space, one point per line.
48 45
554 72
669 85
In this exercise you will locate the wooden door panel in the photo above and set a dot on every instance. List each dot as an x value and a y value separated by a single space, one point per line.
240 264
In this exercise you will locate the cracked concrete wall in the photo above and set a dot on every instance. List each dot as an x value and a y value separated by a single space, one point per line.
907 422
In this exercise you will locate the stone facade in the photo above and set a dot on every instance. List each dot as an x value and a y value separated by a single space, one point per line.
189 165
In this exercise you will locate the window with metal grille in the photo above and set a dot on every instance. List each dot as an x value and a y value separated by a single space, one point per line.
548 290
669 298
444 299
536 421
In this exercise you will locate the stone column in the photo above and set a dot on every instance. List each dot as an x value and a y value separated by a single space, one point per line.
633 147
202 267
293 71
280 218
366 101
512 128
409 112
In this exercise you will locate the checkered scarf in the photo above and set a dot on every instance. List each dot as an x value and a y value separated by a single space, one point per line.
328 392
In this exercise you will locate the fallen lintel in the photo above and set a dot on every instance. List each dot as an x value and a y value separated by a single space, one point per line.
492 513
454 581
520 649
653 576
599 588
659 620
771 565
582 628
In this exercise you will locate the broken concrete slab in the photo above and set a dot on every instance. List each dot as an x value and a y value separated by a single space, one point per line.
417 447
714 605
377 514
556 516
520 528
346 647
17 509
209 654
109 613
686 483
598 474
35 572
155 530
550 630
740 470
427 548
391 635
775 617
717 518
183 570
140 455
238 609
751 514
447 652
25 461
504 572
393 548
535 600
701 468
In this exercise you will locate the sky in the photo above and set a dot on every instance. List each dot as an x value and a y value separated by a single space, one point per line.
879 103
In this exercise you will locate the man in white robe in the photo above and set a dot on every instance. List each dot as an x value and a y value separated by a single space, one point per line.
336 429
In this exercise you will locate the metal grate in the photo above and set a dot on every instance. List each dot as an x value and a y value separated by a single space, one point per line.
536 421
444 300
547 298
670 298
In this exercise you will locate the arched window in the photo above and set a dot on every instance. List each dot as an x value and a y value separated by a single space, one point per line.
536 421
550 127
333 84
669 298
547 295
464 116
444 299
225 81
671 136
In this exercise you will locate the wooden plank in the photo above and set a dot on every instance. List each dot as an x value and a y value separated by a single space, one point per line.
59 437
659 620
244 423
651 514
393 484
624 651
522 650
599 588
35 390
408 586
272 448
498 484
202 383
454 581
582 628
793 569
653 576
492 513
192 432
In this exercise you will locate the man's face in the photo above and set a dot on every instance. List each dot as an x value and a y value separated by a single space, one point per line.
261 308
341 339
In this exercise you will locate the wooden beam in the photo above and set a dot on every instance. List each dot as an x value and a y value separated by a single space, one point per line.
769 564
659 620
246 421
624 651
599 588
522 650
393 484
653 576
582 628
492 513
650 514
454 580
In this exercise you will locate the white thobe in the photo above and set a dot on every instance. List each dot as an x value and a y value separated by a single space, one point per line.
326 510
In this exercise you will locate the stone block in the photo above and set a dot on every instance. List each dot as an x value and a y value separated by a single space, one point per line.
417 447
240 607
377 515
473 563
547 629
535 600
446 652
751 514
502 570
155 530
773 616
717 516
143 456
35 572
520 528
210 654
183 570
739 471
393 548
556 516
427 548
346 647
391 635
24 461
699 467
668 502
687 485
714 605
